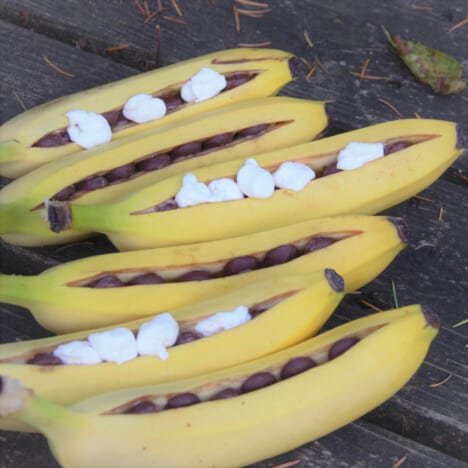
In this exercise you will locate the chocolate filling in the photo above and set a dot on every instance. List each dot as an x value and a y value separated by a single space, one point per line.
156 161
275 256
117 121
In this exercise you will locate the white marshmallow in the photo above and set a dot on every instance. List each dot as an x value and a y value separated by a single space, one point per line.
205 84
88 129
254 181
116 345
143 108
77 352
223 321
224 190
155 336
293 176
355 155
192 192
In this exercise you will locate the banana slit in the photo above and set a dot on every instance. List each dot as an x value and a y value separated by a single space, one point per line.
170 95
211 270
239 385
45 358
324 164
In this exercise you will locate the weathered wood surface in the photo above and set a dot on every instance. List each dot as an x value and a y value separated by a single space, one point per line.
428 424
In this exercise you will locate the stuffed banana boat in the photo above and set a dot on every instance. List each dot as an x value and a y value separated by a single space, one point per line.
40 135
105 173
417 151
242 414
113 288
279 314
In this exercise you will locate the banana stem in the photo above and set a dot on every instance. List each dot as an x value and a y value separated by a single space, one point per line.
21 403
18 290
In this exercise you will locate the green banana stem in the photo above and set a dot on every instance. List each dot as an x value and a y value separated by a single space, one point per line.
19 290
21 403
11 151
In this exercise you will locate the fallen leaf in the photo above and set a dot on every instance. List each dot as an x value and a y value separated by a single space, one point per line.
432 67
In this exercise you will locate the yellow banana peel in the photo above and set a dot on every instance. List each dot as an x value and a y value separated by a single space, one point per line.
267 70
136 223
63 300
287 121
379 354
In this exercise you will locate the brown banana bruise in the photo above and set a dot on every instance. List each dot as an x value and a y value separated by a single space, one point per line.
390 147
245 384
187 332
117 122
235 266
161 159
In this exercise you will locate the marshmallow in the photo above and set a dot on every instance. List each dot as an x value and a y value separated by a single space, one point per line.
254 181
77 352
88 129
293 176
355 155
192 192
223 321
143 108
205 84
116 345
224 190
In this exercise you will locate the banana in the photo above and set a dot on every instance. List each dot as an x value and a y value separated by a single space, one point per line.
420 151
38 135
271 405
74 296
291 310
105 173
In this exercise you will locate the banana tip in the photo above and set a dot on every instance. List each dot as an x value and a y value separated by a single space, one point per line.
58 216
402 229
432 319
296 67
336 281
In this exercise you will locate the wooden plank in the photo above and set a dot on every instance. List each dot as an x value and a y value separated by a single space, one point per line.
431 270
343 39
357 445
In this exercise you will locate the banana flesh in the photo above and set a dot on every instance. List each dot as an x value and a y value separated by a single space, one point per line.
251 425
62 300
291 310
135 222
288 121
268 70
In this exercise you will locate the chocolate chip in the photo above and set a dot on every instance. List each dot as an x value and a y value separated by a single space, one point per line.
226 393
154 163
218 140
254 130
187 337
296 366
281 254
330 169
317 243
236 80
108 281
341 346
396 146
172 102
256 311
258 380
45 359
182 399
195 275
167 205
92 183
146 278
112 117
187 149
240 265
65 194
142 407
57 138
120 173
